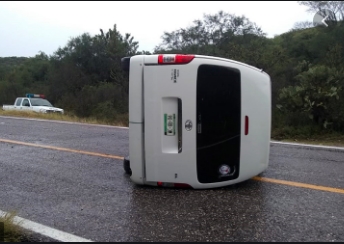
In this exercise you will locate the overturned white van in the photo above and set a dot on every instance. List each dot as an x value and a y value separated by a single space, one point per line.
196 121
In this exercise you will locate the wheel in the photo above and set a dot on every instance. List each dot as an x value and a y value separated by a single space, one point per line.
126 165
125 62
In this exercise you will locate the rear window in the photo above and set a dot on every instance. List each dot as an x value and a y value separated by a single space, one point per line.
218 103
218 122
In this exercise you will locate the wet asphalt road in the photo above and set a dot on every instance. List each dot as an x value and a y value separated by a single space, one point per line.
91 197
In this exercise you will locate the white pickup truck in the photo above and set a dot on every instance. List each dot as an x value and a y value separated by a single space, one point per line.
33 102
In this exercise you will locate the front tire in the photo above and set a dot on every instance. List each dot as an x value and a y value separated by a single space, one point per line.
126 165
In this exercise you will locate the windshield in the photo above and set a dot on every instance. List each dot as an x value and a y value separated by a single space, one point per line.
40 102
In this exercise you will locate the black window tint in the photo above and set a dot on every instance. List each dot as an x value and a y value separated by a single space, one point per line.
218 122
26 102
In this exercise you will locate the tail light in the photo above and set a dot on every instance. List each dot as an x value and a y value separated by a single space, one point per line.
175 58
181 185
159 183
246 125
176 185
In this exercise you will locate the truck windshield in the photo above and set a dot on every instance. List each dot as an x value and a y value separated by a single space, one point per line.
40 102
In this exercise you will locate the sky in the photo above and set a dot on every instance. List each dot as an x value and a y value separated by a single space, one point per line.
28 27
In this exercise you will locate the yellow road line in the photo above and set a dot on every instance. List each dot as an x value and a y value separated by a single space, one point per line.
263 179
297 184
61 149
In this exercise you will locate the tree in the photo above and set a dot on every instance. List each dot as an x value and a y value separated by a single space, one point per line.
336 7
85 65
302 25
207 35
318 91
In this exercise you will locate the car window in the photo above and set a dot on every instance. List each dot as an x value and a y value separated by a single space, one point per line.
18 101
40 102
26 102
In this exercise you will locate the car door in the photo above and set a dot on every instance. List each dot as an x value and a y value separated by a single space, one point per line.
170 122
26 106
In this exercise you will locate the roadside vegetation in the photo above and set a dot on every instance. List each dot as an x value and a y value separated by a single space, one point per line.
12 232
120 120
306 66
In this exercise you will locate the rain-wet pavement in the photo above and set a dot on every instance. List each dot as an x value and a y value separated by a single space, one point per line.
91 197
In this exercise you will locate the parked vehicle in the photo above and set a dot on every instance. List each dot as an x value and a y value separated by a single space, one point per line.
33 102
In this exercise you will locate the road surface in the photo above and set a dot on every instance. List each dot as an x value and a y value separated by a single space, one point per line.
70 177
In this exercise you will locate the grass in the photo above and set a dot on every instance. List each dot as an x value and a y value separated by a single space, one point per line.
12 233
120 120
337 141
308 135
298 128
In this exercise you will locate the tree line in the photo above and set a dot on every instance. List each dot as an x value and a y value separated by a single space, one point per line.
306 66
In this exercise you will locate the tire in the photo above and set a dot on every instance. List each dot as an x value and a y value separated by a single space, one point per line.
126 165
125 62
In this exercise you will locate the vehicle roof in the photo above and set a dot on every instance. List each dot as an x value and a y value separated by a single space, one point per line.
211 58
231 61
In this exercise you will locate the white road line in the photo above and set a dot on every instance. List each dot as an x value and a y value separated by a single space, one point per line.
45 230
308 145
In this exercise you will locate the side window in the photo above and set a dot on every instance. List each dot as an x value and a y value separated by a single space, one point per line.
18 101
26 102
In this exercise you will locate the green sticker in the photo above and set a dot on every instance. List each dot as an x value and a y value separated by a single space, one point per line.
170 124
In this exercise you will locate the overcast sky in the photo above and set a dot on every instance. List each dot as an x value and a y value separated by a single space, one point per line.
29 27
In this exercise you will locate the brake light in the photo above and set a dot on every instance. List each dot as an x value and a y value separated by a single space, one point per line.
29 95
175 58
176 185
182 185
246 125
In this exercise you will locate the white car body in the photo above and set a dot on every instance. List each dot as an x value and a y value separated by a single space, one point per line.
20 102
194 150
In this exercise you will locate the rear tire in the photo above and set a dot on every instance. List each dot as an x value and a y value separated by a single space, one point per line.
126 165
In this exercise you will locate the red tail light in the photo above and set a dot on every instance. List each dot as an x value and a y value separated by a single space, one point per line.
246 125
182 185
176 185
175 59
